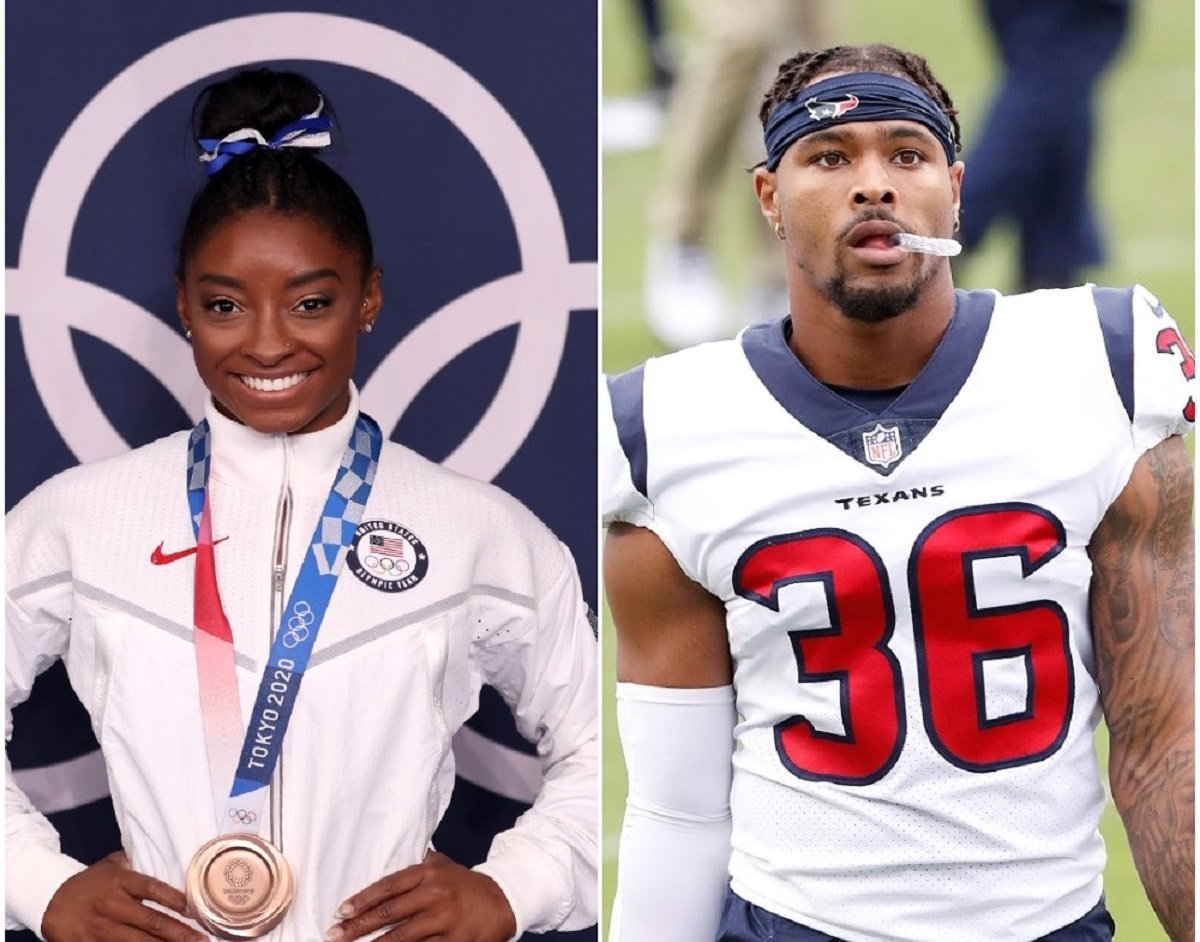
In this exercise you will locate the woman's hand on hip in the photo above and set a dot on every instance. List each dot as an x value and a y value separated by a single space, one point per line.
436 899
106 903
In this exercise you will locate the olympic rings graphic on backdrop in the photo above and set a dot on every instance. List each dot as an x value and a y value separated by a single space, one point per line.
242 816
538 298
298 624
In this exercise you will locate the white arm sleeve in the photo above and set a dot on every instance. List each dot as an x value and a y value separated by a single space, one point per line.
673 867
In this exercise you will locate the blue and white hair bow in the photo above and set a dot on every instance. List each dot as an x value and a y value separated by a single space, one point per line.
311 130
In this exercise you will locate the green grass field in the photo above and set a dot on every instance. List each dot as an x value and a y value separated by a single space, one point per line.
1143 185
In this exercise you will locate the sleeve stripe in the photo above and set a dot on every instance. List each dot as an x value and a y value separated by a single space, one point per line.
1115 308
625 391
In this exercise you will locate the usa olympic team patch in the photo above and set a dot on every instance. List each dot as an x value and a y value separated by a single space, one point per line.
387 556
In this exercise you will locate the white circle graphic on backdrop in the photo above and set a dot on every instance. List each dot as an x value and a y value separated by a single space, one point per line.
538 298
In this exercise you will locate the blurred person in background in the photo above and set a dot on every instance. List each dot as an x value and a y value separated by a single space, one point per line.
659 58
719 77
1033 160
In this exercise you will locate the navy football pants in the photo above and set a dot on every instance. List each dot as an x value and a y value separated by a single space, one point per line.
744 922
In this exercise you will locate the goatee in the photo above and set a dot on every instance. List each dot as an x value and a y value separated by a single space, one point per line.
874 305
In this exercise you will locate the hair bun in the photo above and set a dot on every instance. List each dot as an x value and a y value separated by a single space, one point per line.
255 131
262 99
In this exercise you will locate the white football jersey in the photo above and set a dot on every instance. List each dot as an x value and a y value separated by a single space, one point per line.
907 601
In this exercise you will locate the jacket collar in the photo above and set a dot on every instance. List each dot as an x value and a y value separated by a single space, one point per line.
255 461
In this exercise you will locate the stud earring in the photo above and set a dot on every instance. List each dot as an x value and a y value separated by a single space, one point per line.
367 328
187 334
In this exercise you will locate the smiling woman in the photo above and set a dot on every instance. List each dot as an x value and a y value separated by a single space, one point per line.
422 584
273 306
276 274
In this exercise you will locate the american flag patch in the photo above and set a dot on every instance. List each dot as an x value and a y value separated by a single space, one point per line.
387 556
387 545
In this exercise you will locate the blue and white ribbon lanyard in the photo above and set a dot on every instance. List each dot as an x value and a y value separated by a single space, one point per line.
299 624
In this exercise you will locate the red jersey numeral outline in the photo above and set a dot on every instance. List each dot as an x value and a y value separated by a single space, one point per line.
1170 341
853 650
955 638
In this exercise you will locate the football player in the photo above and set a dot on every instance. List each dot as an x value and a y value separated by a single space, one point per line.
877 567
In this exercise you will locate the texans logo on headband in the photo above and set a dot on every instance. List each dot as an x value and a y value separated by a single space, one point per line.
820 110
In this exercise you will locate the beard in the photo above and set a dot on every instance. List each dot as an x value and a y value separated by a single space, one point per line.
875 304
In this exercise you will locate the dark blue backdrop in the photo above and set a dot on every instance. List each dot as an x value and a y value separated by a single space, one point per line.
469 131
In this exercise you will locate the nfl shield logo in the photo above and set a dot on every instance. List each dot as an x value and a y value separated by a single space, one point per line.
882 445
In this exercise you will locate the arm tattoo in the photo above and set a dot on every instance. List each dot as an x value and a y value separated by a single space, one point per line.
1143 627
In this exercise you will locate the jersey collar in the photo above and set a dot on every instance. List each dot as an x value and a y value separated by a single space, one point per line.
867 435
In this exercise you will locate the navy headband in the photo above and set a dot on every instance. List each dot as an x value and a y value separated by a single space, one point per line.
857 96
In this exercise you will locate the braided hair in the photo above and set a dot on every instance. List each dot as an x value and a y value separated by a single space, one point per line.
288 180
801 69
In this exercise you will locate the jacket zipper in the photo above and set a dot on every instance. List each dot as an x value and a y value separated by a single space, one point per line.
283 513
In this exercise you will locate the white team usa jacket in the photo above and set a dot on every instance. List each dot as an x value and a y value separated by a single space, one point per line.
907 599
477 591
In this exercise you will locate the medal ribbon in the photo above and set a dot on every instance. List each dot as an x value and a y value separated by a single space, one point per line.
299 623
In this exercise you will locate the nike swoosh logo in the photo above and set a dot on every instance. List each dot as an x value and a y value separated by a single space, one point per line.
159 558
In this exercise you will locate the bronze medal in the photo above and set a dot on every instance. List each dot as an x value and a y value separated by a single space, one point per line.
239 886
